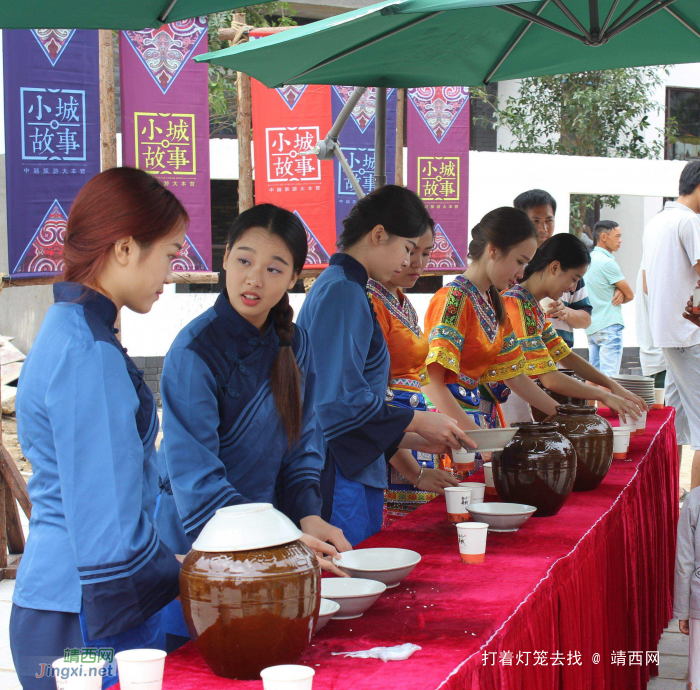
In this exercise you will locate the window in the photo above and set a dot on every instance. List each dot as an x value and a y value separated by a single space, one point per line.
683 105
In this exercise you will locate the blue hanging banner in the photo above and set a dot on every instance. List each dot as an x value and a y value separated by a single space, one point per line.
52 138
357 143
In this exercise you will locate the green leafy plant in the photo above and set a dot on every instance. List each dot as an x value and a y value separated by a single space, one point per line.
599 113
223 96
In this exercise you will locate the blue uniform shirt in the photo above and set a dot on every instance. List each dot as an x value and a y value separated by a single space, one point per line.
87 422
353 362
223 440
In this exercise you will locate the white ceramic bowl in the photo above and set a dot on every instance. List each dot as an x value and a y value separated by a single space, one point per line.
501 517
246 527
389 566
490 439
327 611
354 595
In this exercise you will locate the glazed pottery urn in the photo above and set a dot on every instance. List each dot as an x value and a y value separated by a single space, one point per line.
592 437
537 468
540 416
250 591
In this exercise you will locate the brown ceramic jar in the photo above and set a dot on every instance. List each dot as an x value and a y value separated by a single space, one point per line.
248 610
537 468
592 437
540 416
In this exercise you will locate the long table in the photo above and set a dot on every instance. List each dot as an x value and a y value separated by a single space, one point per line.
573 601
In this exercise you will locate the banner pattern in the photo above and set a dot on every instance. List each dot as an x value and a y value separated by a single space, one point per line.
165 122
438 166
52 139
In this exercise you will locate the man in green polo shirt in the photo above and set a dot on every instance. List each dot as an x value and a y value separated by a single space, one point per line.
608 291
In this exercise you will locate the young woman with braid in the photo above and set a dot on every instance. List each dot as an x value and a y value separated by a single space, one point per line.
238 390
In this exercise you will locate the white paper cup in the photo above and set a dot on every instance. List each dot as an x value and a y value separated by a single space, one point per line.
287 677
472 541
457 499
696 301
659 398
87 677
140 669
642 423
478 490
621 442
546 303
463 460
488 479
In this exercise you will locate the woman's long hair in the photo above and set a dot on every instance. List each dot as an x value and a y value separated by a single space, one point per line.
285 378
563 247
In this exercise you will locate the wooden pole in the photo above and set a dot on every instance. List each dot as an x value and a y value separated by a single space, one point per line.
108 115
244 128
400 114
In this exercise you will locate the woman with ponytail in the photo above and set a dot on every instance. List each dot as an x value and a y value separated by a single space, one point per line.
94 572
471 339
362 431
557 267
238 390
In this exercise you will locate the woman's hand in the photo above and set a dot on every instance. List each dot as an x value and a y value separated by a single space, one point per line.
617 389
440 429
557 310
623 407
435 481
314 526
688 313
322 550
684 627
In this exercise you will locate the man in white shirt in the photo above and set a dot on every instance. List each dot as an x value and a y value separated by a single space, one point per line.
671 267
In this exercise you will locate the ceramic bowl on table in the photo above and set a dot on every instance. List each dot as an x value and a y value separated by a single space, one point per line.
389 566
353 594
326 612
489 440
501 517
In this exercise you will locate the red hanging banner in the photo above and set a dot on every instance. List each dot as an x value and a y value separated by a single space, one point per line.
287 123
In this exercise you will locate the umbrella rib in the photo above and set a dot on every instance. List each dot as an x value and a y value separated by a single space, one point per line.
625 12
652 8
350 51
608 19
514 43
524 14
573 19
690 28
163 16
594 17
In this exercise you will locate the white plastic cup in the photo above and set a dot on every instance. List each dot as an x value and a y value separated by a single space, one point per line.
88 677
478 490
546 303
140 669
621 443
457 499
659 398
472 541
488 479
287 677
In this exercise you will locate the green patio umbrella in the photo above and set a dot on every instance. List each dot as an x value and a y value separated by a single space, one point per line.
409 43
105 14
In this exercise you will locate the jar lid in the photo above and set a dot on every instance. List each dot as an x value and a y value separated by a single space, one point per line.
535 427
246 527
576 409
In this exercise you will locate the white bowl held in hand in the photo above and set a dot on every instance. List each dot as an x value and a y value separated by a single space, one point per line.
354 595
326 612
501 517
488 440
389 566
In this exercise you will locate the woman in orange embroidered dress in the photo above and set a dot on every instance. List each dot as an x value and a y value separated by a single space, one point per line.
471 339
558 264
413 477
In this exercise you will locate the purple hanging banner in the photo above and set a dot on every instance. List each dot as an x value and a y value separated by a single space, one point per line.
438 166
165 122
357 143
52 139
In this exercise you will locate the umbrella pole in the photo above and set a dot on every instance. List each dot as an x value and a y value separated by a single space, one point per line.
380 139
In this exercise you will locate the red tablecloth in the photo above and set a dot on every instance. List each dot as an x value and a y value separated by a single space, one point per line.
595 579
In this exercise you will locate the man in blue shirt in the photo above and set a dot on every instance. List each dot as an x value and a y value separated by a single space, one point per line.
573 310
608 291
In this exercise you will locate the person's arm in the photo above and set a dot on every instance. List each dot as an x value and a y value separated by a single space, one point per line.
576 317
623 293
688 313
126 573
442 398
685 558
433 480
524 387
191 421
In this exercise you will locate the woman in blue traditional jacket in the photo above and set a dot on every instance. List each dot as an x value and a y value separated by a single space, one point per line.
238 391
94 573
362 431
